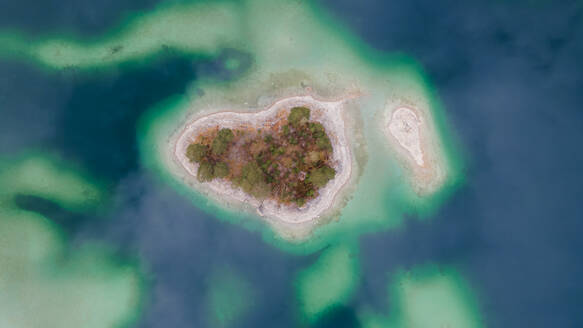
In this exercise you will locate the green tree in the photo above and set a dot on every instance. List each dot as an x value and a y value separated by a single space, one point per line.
205 172
324 143
221 170
222 141
317 129
298 115
320 176
196 152
252 181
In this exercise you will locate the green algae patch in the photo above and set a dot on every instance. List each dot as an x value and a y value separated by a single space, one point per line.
229 298
327 283
428 297
83 287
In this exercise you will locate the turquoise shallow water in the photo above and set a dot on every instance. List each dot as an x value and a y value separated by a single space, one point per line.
510 97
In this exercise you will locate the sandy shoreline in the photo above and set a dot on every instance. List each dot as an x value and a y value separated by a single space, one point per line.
328 113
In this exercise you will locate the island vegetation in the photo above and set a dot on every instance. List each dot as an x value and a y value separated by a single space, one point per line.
289 162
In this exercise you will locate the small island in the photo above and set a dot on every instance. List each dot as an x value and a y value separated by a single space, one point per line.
291 162
412 135
287 162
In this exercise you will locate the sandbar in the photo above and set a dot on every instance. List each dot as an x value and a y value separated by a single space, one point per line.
404 127
413 138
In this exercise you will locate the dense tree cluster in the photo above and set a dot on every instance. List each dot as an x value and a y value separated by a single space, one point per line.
209 158
289 162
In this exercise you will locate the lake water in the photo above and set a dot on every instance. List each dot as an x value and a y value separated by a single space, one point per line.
509 77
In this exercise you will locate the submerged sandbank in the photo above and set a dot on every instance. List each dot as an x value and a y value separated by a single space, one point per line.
411 133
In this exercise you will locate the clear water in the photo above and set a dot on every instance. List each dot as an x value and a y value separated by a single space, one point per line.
507 76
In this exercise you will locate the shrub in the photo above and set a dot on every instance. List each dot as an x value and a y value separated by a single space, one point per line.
313 156
252 173
317 130
298 115
205 172
221 141
324 143
221 170
300 201
196 152
252 181
320 176
226 135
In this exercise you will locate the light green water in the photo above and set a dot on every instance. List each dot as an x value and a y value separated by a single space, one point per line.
228 298
43 283
427 297
329 282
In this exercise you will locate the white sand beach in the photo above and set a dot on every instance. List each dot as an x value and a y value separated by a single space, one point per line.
413 138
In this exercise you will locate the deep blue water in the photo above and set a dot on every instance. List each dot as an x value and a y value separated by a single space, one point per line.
510 78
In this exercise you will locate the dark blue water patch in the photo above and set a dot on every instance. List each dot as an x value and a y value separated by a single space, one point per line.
446 240
522 127
79 17
98 124
87 117
509 76
338 317
525 178
445 35
514 228
181 247
30 104
218 68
